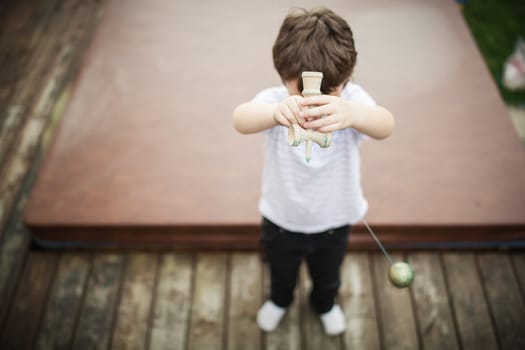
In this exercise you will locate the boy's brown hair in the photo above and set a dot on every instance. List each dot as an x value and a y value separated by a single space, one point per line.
315 40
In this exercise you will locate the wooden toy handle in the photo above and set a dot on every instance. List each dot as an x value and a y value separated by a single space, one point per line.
296 134
311 83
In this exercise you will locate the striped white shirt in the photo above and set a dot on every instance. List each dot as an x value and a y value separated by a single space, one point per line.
320 195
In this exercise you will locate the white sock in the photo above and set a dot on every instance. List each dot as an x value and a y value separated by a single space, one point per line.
334 321
269 315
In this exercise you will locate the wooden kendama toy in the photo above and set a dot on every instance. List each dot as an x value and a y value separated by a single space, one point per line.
296 134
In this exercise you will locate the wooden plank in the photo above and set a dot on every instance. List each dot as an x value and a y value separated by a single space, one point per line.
31 46
20 33
470 308
54 26
58 72
244 301
13 247
7 8
314 336
20 25
398 325
357 301
504 299
12 253
14 242
172 308
56 331
431 302
133 315
97 314
30 69
207 316
28 304
288 335
518 261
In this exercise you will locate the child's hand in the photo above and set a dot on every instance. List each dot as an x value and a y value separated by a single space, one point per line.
288 112
330 113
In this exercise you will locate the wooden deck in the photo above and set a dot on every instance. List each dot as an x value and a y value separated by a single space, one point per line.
175 300
172 300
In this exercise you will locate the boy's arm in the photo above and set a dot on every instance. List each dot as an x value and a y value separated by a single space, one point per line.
252 117
374 121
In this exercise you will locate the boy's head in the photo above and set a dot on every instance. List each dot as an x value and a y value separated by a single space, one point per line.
315 40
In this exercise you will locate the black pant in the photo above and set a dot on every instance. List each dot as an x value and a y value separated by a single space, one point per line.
324 253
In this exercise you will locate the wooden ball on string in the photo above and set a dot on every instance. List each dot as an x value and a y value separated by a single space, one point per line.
401 274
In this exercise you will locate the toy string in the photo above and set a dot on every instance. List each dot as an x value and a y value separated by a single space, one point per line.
378 242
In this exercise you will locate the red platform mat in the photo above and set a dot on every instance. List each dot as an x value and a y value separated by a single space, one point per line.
146 152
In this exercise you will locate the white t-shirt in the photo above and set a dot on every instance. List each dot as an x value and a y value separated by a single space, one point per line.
322 194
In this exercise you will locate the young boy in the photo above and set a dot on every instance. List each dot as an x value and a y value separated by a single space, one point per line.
308 208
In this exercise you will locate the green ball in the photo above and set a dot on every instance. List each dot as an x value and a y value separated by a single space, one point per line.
401 274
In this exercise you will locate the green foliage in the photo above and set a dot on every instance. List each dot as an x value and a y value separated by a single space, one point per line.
496 25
